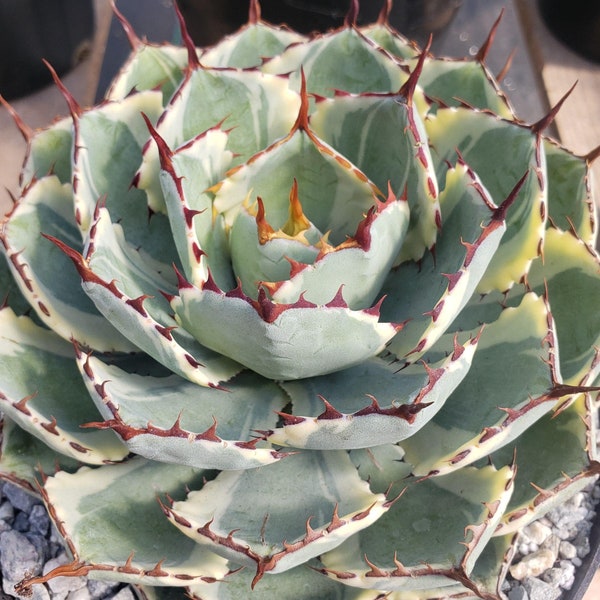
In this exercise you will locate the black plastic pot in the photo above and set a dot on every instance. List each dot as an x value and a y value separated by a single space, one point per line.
208 21
59 31
576 23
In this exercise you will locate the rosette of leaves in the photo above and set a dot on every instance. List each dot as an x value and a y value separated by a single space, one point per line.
313 317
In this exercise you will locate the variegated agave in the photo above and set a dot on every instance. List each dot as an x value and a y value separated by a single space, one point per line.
383 302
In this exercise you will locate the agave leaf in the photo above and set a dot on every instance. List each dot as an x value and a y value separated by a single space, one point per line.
324 57
483 141
549 472
570 270
401 402
139 309
186 176
472 423
41 390
49 152
173 420
10 294
104 515
304 582
245 516
570 202
458 82
483 579
398 155
430 538
257 108
219 320
334 197
148 67
109 142
431 293
43 272
568 274
250 46
26 460
334 194
390 40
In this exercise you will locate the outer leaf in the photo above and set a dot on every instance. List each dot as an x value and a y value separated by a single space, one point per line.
111 521
250 46
42 391
9 291
488 409
401 402
430 294
550 472
49 152
109 141
483 141
458 82
172 420
245 516
44 273
303 582
258 109
390 40
431 536
324 62
571 272
148 67
570 201
139 310
26 460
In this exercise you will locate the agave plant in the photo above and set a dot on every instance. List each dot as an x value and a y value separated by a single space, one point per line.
314 317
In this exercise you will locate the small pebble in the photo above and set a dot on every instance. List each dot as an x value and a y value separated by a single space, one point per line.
540 590
39 521
19 498
533 564
536 532
567 550
102 589
7 511
518 593
124 594
19 556
82 593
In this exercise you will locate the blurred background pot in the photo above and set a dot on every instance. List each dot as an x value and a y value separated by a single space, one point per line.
59 31
576 23
208 21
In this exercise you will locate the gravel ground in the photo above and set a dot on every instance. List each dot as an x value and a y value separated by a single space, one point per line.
549 551
30 545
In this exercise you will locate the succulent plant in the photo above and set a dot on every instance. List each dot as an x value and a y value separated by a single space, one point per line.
313 317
